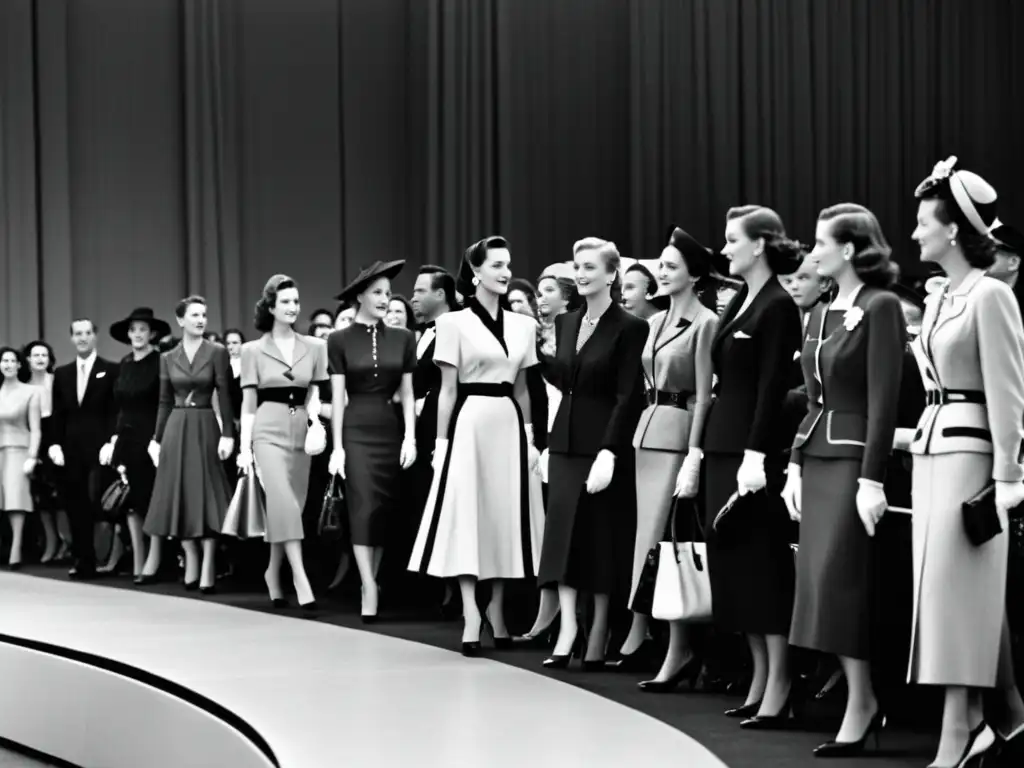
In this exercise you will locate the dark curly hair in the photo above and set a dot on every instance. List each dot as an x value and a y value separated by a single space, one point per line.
856 225
475 257
26 352
182 306
567 288
782 255
263 319
978 249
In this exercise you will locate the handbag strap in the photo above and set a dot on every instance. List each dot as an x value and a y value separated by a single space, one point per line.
695 527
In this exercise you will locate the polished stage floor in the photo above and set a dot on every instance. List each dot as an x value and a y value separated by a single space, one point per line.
322 694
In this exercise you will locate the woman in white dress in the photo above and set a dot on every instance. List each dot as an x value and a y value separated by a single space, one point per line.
484 516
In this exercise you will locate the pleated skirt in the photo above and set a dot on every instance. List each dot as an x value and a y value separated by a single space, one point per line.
190 490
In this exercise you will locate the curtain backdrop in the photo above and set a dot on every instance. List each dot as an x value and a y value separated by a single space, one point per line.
154 149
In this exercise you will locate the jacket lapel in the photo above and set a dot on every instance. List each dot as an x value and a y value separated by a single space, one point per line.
180 359
268 347
301 350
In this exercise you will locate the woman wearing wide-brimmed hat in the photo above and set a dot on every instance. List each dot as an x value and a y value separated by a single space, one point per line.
369 363
137 392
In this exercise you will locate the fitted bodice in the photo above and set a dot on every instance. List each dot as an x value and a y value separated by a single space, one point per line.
15 401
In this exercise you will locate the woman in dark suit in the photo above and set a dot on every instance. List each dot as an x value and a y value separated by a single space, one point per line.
745 444
592 486
852 360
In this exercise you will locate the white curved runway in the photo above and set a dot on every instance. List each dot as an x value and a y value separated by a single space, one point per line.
325 695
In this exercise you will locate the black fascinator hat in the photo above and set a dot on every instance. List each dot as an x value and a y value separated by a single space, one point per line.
367 275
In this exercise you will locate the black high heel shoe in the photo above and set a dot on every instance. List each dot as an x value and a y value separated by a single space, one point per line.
278 603
145 579
191 586
560 661
747 710
966 756
500 643
544 638
210 590
689 672
639 660
853 748
777 722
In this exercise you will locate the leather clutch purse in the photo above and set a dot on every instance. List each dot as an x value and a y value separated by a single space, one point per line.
981 520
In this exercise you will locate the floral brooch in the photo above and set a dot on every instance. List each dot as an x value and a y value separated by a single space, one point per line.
852 318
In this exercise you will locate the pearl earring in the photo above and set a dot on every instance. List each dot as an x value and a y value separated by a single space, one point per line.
476 280
952 243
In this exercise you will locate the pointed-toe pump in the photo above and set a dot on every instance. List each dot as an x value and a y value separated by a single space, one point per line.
561 661
854 748
639 660
689 672
744 712
543 638
500 643
775 722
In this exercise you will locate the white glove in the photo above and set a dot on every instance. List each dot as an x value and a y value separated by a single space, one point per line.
871 503
336 464
29 466
407 457
1009 495
56 455
793 493
542 465
440 452
106 454
244 460
751 478
688 478
419 406
902 438
154 452
532 454
224 448
601 471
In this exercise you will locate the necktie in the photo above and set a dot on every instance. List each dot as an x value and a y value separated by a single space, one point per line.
82 381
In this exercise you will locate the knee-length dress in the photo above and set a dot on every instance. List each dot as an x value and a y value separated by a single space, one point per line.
190 491
484 515
750 563
373 359
677 377
588 539
279 431
852 371
137 393
20 437
972 364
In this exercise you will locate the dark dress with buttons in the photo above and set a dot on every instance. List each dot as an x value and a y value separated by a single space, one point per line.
191 492
373 359
137 393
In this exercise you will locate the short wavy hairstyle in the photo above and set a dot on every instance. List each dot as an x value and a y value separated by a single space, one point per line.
855 225
782 254
263 319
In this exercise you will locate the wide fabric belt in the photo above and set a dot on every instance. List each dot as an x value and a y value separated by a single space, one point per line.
948 396
294 397
674 399
504 389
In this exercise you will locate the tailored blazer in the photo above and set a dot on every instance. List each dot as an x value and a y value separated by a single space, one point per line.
677 368
853 382
752 356
971 356
602 384
193 385
81 429
426 386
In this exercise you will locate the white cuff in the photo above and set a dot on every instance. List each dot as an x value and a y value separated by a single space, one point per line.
754 456
697 454
794 470
863 482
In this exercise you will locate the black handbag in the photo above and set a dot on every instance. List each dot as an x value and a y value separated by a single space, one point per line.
981 520
332 511
114 497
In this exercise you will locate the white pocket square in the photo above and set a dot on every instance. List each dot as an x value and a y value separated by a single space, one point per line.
741 335
101 374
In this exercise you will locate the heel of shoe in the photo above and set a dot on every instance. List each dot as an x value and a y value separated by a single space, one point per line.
472 649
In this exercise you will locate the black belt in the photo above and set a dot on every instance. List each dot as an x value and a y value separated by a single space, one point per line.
186 406
675 399
948 396
294 397
485 390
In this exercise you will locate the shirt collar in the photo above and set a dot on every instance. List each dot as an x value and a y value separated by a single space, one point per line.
87 361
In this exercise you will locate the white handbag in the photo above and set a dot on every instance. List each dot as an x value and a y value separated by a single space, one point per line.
316 438
682 589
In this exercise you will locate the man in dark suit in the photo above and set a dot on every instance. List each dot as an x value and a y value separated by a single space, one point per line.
84 417
432 296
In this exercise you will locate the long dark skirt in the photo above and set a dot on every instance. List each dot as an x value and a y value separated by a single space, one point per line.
751 568
131 452
835 565
588 539
372 440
